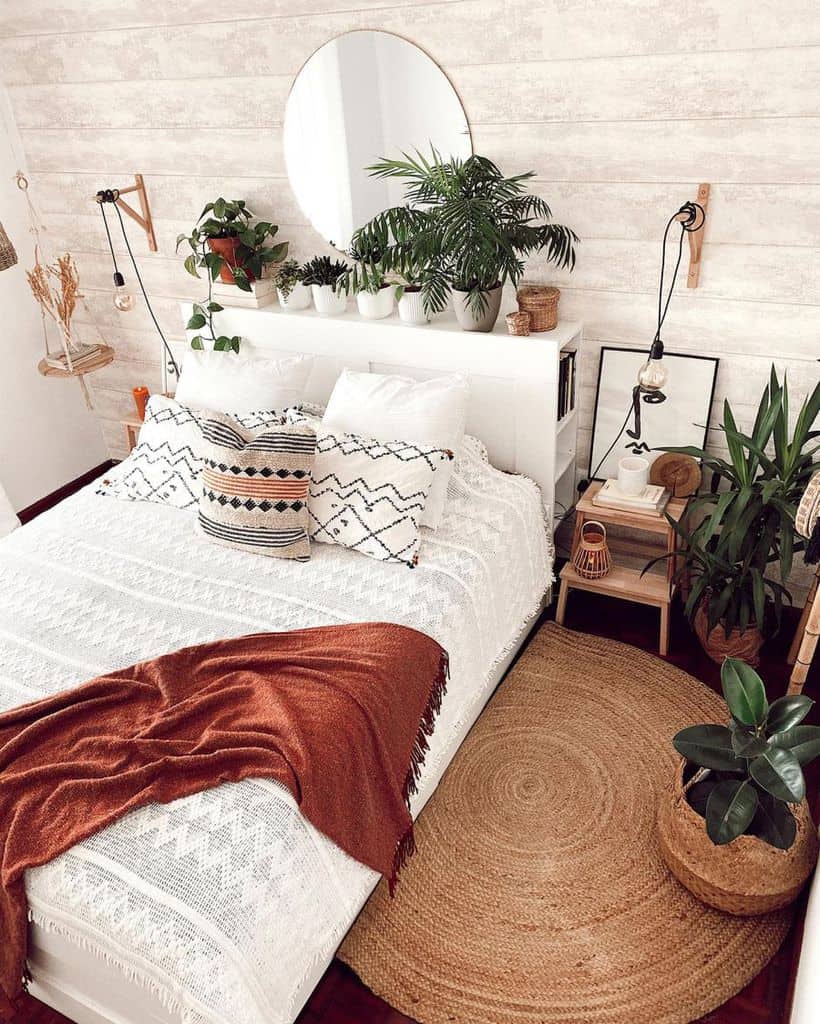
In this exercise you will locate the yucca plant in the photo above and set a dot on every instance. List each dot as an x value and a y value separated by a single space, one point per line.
745 533
750 771
465 226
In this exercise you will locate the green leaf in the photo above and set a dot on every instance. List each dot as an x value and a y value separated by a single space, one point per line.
744 692
778 771
241 280
729 810
191 265
698 794
196 323
802 740
773 822
747 744
214 307
222 344
709 746
787 712
197 343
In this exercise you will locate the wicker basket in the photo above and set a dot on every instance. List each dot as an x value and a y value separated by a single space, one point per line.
591 557
518 324
744 877
541 302
8 257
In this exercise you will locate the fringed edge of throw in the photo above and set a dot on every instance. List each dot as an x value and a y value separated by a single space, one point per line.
406 846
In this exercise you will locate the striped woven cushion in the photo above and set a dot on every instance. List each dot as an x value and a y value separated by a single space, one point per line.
255 487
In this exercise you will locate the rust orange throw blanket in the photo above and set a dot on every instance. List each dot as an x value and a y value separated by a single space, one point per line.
339 714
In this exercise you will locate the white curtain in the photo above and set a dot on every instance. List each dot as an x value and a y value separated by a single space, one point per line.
8 519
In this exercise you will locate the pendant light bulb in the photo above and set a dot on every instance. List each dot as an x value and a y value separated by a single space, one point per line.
653 375
123 299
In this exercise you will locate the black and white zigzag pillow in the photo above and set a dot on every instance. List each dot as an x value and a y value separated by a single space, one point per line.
370 495
165 465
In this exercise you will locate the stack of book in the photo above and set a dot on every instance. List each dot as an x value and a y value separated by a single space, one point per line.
262 293
566 384
81 356
652 501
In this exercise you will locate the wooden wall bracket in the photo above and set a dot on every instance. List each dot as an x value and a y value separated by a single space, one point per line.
144 219
696 238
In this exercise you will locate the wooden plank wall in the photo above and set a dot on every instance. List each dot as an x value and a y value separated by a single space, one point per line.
620 108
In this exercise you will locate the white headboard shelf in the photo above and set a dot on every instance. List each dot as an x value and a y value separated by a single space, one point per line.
514 380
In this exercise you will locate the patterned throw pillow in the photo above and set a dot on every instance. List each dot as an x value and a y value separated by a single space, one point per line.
370 495
255 487
165 465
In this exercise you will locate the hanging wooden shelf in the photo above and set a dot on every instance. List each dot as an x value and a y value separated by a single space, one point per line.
103 358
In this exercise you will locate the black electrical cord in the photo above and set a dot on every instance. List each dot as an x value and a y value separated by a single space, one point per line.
108 236
696 216
172 363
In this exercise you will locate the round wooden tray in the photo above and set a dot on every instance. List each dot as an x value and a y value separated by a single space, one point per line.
103 358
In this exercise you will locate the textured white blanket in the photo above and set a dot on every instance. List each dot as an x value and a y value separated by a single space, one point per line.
224 903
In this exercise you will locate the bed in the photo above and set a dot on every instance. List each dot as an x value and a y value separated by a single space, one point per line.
228 906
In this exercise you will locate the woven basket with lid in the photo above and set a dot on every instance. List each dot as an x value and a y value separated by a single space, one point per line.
541 302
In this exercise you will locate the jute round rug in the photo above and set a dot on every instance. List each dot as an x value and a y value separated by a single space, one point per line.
538 894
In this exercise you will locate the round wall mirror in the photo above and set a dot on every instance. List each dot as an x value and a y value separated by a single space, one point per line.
361 97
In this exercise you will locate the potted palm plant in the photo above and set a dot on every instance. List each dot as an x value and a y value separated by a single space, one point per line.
738 558
469 227
735 828
288 280
322 273
366 280
229 246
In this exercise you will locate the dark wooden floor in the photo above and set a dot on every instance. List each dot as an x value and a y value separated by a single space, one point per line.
341 998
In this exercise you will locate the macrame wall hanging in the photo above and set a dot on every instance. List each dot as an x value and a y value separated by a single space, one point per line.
8 254
56 287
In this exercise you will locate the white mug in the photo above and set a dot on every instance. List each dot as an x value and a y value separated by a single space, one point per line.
633 474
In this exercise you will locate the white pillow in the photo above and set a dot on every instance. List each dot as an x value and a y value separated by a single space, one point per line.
390 408
166 464
230 383
369 495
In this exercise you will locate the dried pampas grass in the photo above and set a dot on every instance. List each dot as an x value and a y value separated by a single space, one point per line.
58 300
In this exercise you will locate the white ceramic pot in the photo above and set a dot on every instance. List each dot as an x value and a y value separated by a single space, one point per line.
378 306
299 297
326 301
411 309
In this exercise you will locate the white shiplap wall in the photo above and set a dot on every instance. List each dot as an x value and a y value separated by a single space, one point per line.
620 108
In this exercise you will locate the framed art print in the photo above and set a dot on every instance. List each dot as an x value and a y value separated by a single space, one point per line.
682 419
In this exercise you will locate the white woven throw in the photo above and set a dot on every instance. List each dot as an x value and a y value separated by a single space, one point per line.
221 903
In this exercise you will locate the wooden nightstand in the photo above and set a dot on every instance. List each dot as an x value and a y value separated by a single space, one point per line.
652 589
131 426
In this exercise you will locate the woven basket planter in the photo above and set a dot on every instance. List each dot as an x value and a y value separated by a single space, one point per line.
541 302
8 256
745 877
718 646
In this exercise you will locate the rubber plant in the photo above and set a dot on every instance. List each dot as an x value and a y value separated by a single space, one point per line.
463 225
745 534
226 244
751 771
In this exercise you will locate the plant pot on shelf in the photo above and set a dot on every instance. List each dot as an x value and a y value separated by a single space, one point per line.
375 306
326 300
743 645
226 248
744 877
299 297
465 316
411 307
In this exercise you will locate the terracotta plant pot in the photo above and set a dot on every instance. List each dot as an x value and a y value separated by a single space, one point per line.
226 247
464 314
718 646
744 877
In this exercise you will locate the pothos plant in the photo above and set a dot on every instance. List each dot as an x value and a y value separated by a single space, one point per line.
750 771
251 252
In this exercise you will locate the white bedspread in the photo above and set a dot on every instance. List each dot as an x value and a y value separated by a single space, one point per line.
224 903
